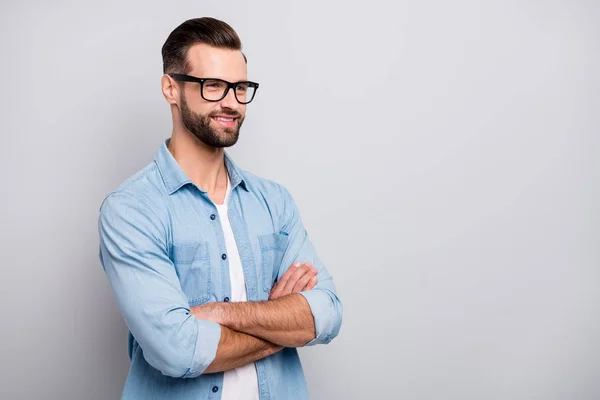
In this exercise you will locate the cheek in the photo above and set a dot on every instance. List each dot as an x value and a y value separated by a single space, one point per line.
203 109
198 105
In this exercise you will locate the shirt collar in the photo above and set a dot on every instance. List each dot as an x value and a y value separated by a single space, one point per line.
174 177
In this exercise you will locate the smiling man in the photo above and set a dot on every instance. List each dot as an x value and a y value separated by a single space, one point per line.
211 266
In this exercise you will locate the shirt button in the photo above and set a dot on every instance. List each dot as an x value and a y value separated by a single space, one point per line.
215 389
224 256
213 216
226 299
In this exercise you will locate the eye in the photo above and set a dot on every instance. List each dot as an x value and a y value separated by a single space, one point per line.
214 85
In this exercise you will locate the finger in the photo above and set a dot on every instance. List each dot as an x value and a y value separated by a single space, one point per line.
280 285
291 282
303 281
293 279
290 271
311 284
275 292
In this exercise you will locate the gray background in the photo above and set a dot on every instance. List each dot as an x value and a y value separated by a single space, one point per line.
443 156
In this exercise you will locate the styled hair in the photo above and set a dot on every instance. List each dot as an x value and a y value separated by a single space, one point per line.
205 30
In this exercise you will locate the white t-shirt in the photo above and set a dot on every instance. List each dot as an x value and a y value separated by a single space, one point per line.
242 382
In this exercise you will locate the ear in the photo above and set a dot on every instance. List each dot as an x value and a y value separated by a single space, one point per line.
170 89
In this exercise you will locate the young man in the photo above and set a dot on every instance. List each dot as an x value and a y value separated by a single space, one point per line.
211 266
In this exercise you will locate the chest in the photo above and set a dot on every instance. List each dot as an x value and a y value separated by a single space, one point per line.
199 251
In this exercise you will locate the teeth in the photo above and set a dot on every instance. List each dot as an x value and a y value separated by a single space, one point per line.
224 119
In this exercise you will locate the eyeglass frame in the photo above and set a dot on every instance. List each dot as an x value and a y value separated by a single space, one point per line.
230 85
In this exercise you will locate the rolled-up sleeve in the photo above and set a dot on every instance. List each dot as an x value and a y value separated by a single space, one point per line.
134 255
325 306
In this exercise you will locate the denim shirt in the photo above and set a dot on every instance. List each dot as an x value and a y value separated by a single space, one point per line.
163 251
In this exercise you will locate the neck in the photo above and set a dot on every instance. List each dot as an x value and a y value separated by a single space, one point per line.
204 165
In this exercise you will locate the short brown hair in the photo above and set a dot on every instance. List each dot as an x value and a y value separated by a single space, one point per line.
206 30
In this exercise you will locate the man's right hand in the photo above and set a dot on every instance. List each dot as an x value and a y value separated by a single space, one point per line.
298 278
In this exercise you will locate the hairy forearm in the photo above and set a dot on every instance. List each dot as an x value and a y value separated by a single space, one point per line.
237 349
286 321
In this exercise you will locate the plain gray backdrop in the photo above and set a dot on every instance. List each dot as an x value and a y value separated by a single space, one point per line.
444 156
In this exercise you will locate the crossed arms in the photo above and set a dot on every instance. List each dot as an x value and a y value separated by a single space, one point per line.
251 331
186 342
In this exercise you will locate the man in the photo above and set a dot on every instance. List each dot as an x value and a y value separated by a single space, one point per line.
210 265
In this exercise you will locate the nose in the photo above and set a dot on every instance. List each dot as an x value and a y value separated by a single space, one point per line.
229 101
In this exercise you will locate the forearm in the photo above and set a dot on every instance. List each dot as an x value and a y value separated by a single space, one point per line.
237 349
286 321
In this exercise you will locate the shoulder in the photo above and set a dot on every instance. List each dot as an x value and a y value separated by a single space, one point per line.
142 192
260 184
275 194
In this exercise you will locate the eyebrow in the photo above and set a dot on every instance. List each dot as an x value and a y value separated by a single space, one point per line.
216 76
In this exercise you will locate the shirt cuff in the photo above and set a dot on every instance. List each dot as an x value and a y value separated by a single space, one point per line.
322 311
207 341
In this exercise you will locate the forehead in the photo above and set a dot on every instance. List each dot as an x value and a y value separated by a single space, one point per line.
211 62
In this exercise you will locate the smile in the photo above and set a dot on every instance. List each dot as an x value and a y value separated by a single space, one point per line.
225 121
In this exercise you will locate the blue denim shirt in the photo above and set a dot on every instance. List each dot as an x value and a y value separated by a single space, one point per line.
162 246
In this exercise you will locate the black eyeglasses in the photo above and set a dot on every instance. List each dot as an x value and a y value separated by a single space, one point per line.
212 89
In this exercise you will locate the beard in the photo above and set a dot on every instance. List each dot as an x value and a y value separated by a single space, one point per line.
199 126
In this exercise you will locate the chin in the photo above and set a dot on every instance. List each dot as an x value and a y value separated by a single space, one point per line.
226 131
222 129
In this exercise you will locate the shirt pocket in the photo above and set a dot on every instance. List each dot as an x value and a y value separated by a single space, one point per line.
272 249
192 262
